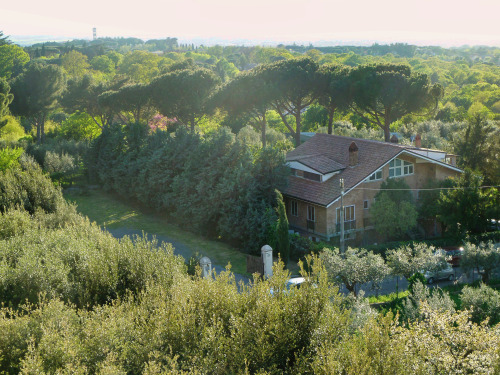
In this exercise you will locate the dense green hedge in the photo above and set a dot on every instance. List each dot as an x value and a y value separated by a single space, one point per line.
214 185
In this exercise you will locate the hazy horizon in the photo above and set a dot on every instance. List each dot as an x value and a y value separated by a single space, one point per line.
360 22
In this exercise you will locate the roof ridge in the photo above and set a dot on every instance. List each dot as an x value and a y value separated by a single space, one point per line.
364 140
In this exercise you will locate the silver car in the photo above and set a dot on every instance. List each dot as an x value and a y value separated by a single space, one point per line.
446 273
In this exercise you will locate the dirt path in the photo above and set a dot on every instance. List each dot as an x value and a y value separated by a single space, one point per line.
179 248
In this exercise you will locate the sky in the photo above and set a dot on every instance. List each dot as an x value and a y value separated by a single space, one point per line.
422 22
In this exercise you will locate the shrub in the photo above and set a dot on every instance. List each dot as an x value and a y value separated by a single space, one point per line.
79 127
483 303
59 164
81 264
417 277
437 300
12 130
29 188
9 157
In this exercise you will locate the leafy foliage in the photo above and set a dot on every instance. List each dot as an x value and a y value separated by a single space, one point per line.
80 264
482 258
436 299
354 267
482 302
282 244
36 92
479 148
408 260
183 94
393 211
464 209
214 185
9 157
27 187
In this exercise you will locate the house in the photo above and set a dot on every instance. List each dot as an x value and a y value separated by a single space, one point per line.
312 197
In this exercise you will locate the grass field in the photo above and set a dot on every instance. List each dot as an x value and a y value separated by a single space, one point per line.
110 212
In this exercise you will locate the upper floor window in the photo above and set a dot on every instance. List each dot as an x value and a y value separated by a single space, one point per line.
312 176
307 175
377 175
398 168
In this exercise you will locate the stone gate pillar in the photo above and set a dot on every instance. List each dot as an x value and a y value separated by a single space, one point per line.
206 267
267 259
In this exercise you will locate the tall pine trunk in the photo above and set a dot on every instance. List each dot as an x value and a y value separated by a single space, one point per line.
330 121
298 126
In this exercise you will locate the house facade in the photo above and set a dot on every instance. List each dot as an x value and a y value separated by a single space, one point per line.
312 197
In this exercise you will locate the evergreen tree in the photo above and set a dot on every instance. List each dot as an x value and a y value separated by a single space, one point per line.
281 234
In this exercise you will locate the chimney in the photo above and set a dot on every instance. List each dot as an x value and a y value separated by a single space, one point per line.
418 141
394 139
353 154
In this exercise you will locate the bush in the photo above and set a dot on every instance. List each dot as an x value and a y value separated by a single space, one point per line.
437 300
29 188
301 246
483 302
417 277
12 131
59 164
80 264
79 127
9 157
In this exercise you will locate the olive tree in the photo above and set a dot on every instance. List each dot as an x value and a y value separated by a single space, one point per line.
354 267
407 260
483 258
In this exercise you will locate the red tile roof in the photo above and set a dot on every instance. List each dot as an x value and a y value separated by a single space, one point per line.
323 149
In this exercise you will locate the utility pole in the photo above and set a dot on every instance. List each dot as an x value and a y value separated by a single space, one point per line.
342 244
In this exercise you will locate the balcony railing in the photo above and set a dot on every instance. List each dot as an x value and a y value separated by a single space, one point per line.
348 225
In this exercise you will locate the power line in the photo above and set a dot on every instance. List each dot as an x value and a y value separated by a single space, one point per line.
428 189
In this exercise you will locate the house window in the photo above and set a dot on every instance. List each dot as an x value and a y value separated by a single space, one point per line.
349 218
294 208
312 176
377 175
311 214
365 205
398 168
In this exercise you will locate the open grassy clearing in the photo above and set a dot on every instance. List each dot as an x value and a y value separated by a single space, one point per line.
110 212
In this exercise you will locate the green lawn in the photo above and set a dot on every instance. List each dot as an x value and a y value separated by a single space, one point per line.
111 212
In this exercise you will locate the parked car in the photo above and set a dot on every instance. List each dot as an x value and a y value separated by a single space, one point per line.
453 254
446 273
293 282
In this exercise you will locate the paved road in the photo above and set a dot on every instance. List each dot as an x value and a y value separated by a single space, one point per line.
389 285
179 248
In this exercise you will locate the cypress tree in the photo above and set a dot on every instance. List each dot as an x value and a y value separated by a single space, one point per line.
281 234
